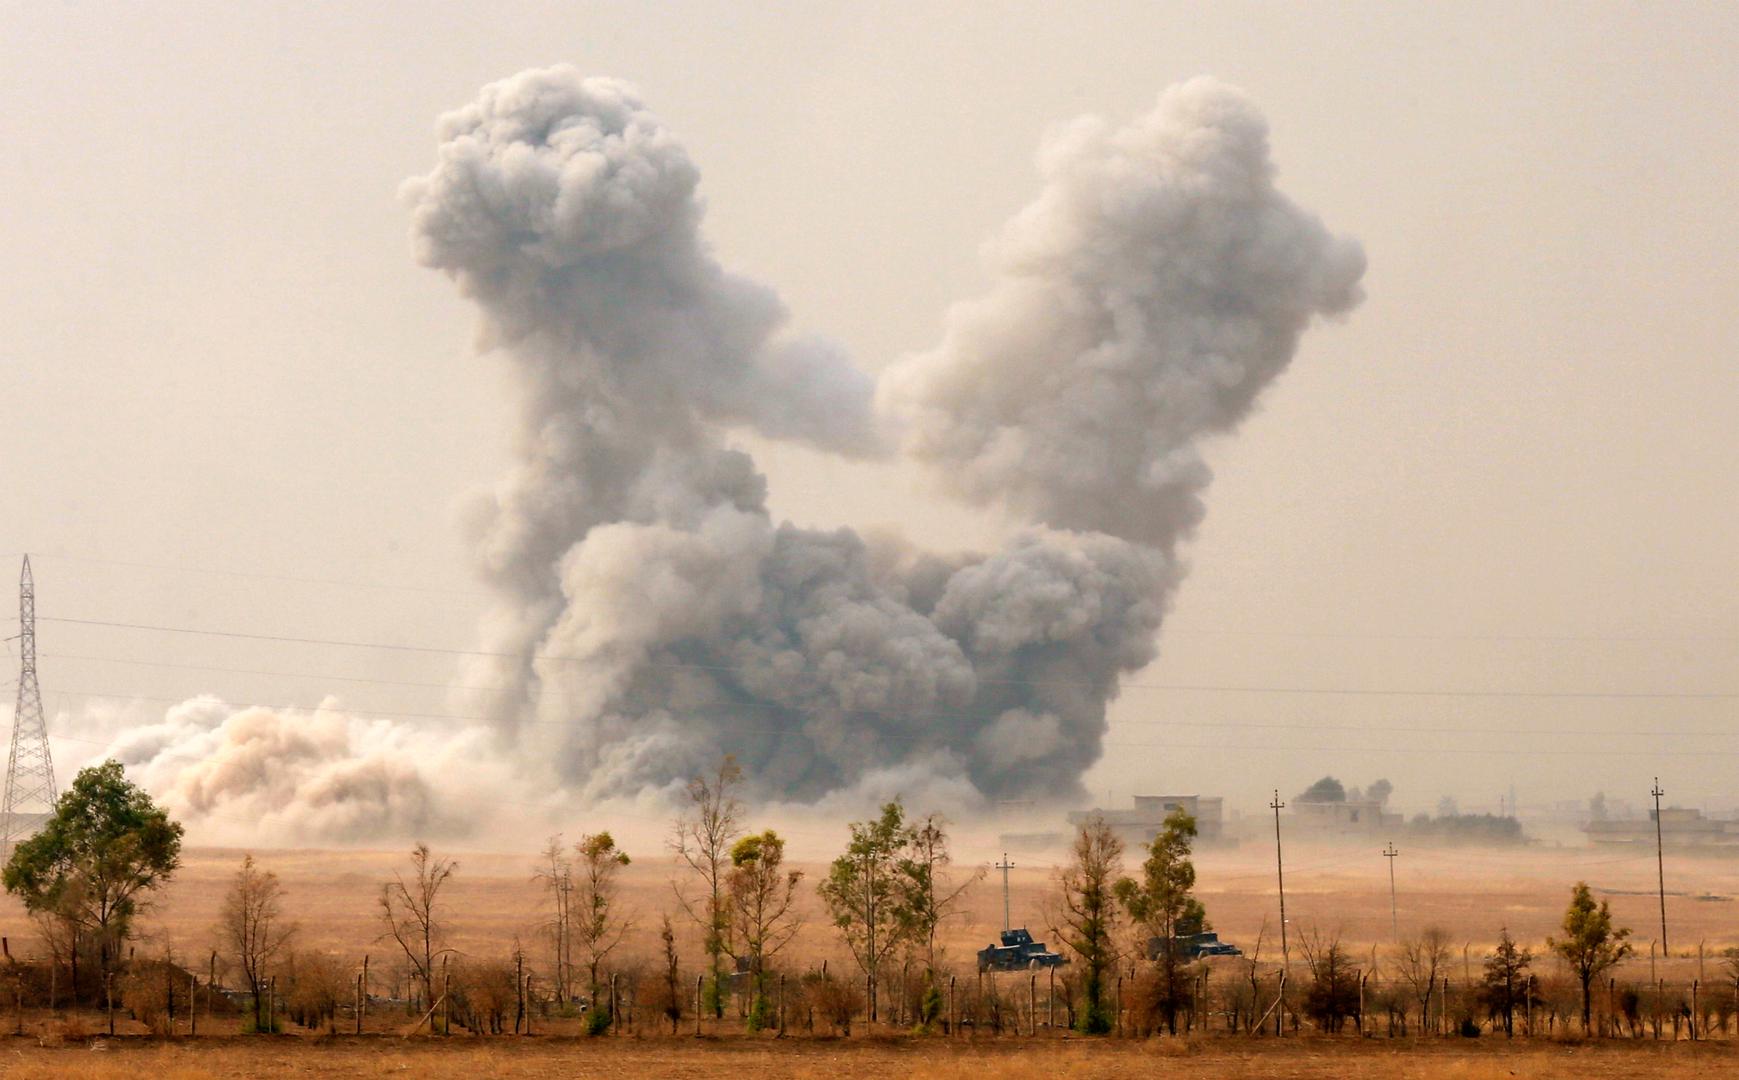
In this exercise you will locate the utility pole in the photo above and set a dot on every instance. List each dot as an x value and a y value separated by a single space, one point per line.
1280 876
1285 955
1005 866
30 790
1660 864
1390 854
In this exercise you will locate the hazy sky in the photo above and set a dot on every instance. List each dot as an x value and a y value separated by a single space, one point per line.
1511 472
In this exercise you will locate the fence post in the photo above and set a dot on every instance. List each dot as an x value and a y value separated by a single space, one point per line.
1032 1003
1117 1004
698 981
954 1017
1051 1000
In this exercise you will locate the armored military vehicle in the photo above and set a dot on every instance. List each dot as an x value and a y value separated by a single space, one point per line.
1018 952
1193 946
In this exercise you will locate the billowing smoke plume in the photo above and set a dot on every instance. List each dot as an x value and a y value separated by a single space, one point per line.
652 615
310 776
1143 301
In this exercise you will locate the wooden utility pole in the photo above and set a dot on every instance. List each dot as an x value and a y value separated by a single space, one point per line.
1660 861
1285 954
1390 854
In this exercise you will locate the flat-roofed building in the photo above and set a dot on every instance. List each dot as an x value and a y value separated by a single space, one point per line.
1140 823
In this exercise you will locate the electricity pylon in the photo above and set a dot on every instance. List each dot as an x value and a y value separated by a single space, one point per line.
30 792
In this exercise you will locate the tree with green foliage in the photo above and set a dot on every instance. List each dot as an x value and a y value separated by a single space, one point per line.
1089 920
863 893
1591 944
1504 985
763 895
702 841
599 924
1162 903
95 861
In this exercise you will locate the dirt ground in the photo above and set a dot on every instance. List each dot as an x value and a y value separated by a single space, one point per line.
940 1059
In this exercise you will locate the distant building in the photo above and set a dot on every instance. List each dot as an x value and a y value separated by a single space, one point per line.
1680 827
1351 817
1139 824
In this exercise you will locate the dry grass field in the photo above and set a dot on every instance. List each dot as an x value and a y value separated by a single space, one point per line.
1338 890
1341 890
931 1059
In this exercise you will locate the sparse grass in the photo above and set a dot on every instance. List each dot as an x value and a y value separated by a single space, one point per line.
1009 1059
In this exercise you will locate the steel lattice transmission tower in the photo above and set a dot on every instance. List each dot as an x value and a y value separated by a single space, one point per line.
30 791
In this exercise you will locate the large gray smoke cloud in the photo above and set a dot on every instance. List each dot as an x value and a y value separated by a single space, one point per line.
651 613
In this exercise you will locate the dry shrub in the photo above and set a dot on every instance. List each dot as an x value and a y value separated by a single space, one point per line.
832 1000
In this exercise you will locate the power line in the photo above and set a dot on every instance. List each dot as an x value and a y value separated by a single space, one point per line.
1328 635
787 730
544 693
1182 687
294 579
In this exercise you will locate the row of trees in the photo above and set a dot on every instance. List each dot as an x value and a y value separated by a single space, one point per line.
86 876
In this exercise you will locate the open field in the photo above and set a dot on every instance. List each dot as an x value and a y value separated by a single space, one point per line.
1297 1059
1335 890
1342 890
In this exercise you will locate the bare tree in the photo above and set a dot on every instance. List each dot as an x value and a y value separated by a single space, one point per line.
598 921
1421 962
556 874
702 840
931 895
763 908
412 916
251 927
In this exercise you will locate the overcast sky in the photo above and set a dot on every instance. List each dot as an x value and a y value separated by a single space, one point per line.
233 401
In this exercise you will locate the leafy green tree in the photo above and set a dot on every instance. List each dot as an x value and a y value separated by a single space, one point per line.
1591 944
94 863
1163 904
863 893
599 924
764 907
1504 985
1089 919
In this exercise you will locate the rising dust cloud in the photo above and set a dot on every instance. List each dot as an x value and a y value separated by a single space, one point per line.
649 615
